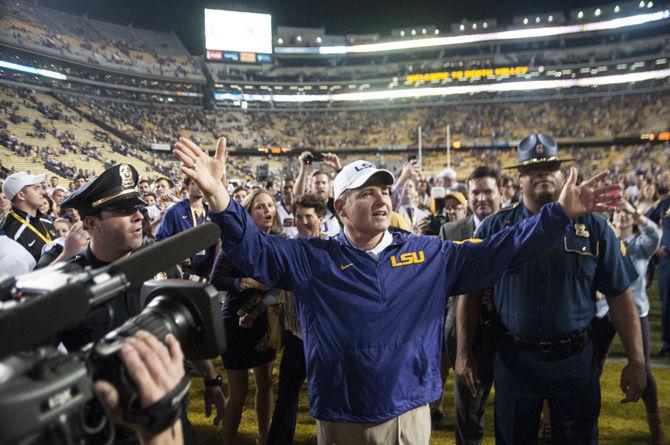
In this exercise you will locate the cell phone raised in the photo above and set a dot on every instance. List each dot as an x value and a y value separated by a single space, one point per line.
314 157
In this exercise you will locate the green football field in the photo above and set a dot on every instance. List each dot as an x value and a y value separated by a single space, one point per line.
619 424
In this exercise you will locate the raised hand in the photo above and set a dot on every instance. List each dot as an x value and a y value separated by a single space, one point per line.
409 170
332 161
206 171
578 200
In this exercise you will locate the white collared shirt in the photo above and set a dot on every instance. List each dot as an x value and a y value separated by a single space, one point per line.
386 241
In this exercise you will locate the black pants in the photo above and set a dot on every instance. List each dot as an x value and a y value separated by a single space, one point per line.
292 374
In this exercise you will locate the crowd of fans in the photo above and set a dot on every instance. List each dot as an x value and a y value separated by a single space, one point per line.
417 209
95 42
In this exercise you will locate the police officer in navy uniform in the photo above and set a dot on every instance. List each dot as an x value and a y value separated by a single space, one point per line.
545 306
660 214
110 207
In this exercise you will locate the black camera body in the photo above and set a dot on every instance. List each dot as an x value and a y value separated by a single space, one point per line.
47 396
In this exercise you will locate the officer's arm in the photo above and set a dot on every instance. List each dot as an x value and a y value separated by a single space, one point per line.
468 308
627 324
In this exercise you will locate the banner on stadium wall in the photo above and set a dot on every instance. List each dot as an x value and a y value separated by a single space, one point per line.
468 74
161 147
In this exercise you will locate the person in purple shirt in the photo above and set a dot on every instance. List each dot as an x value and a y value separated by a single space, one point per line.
371 303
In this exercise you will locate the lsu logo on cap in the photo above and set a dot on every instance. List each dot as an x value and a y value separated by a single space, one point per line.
539 148
408 258
364 166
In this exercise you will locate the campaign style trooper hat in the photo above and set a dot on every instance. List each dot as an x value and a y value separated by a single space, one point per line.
356 174
538 150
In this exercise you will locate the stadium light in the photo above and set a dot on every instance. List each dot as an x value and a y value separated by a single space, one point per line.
485 25
617 8
31 70
525 20
402 33
474 26
424 31
537 20
650 5
641 4
298 39
598 12
514 34
280 41
550 18
319 40
414 32
436 32
580 14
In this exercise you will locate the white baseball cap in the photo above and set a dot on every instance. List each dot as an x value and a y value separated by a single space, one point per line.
14 183
448 173
356 174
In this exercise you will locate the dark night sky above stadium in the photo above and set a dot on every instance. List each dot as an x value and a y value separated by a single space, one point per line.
185 17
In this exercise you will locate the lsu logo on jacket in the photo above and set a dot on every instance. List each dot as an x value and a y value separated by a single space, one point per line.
405 259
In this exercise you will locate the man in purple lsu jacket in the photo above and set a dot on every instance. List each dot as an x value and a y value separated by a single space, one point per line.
372 302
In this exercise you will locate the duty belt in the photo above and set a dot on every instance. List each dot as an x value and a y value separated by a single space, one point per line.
566 345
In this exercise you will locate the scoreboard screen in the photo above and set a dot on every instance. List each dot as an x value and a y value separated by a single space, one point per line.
234 36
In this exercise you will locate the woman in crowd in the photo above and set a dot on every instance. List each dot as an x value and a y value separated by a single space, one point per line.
424 194
639 247
248 341
647 198
47 207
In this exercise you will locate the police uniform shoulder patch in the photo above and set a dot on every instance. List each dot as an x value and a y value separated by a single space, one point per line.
580 230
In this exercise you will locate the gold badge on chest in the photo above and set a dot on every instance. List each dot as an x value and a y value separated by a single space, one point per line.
580 230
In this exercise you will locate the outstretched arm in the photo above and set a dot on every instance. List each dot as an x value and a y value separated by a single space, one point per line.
483 263
207 172
273 260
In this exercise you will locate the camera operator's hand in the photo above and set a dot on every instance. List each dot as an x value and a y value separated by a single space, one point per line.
155 371
424 226
250 283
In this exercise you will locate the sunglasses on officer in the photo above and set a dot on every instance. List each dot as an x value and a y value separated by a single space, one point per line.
123 210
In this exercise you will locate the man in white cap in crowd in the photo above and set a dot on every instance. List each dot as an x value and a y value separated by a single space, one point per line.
24 222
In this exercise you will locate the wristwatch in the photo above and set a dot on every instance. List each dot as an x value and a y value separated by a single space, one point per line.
216 381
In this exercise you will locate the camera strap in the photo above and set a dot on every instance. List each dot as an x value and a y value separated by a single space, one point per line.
164 412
